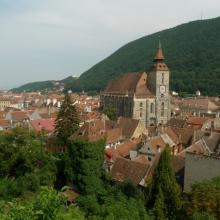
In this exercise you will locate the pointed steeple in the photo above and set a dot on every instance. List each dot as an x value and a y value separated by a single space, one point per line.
159 57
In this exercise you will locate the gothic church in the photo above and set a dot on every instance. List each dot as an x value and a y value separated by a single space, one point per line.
143 96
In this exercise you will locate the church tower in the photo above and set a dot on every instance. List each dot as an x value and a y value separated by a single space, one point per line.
159 85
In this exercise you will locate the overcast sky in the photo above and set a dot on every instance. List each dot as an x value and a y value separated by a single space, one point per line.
52 39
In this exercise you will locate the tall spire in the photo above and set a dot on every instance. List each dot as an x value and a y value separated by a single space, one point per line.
159 57
159 46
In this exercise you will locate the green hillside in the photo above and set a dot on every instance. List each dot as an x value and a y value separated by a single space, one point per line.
192 53
45 85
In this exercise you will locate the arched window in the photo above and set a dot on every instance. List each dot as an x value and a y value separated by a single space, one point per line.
152 108
141 104
162 109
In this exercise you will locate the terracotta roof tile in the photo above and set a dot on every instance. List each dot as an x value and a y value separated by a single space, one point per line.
176 122
178 163
157 142
125 148
43 124
47 115
125 84
2 115
185 135
197 121
5 123
112 153
90 131
19 115
142 159
128 126
127 170
114 135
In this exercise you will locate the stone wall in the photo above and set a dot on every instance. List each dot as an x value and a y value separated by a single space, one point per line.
199 168
121 103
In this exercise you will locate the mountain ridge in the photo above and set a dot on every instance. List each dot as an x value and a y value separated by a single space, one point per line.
192 53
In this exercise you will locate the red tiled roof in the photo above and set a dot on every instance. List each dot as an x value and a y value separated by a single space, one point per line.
128 126
114 135
19 115
204 103
5 123
121 150
170 132
129 84
112 153
128 170
197 120
142 159
157 142
46 115
2 115
91 116
90 131
125 84
124 149
43 124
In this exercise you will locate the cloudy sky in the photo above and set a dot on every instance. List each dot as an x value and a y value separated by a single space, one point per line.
52 39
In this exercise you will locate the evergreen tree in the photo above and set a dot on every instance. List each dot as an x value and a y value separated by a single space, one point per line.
86 161
164 190
67 121
159 209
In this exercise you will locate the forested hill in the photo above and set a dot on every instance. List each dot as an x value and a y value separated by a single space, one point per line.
192 52
45 85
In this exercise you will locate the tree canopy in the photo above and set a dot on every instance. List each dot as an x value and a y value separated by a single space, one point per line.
164 192
25 165
67 121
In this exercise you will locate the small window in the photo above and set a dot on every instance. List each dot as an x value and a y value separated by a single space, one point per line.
152 108
141 104
162 81
140 114
162 109
149 158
